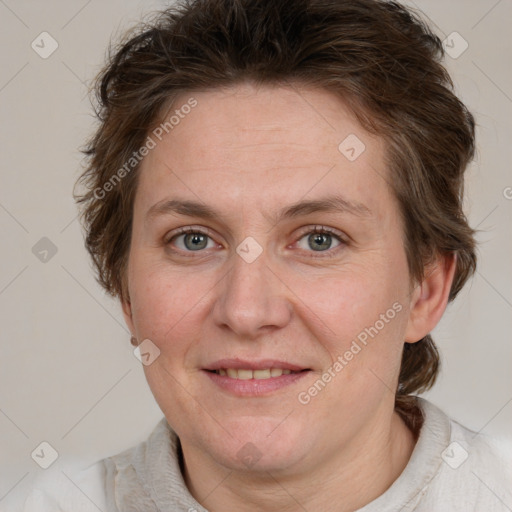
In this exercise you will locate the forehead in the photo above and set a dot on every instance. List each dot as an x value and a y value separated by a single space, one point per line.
262 145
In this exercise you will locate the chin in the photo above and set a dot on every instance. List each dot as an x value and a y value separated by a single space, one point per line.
259 444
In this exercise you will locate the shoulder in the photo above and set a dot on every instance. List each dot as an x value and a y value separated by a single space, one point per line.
68 490
475 469
96 486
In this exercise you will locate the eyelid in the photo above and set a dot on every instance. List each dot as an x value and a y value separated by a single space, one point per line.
323 229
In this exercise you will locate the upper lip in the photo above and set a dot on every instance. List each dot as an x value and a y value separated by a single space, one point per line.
261 364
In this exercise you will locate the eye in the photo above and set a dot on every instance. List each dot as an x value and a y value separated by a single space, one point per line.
192 239
320 239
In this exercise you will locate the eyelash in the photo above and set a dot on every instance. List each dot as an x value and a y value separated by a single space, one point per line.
317 229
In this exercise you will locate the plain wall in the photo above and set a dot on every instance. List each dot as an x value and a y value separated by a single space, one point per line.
68 373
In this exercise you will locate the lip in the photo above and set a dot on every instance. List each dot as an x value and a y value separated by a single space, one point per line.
262 364
254 387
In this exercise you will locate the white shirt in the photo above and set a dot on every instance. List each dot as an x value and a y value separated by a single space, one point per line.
451 469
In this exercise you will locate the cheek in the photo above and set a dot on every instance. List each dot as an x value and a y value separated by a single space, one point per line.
366 313
350 302
166 304
168 309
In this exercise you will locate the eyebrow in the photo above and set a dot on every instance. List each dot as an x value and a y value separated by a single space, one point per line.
332 203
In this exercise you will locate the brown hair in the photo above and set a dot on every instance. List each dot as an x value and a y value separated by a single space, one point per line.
378 56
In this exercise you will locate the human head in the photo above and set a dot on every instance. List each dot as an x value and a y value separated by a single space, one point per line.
383 62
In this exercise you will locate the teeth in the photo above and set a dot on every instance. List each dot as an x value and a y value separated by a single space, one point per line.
243 374
261 374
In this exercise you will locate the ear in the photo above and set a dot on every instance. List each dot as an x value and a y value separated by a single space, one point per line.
430 297
128 314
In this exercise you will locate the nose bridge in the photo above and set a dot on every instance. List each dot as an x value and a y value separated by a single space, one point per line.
250 295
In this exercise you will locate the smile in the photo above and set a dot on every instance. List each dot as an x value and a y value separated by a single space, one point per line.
245 374
245 378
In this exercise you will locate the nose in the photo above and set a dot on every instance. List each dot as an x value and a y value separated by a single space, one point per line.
252 299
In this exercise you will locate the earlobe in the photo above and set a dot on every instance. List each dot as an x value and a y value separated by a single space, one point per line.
430 297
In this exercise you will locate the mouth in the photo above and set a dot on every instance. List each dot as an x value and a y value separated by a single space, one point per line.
248 374
254 378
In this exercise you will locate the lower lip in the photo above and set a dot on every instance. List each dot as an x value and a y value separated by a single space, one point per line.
255 387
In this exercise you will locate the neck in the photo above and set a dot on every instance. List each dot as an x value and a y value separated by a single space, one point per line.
350 478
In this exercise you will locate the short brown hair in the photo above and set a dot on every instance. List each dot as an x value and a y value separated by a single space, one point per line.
378 56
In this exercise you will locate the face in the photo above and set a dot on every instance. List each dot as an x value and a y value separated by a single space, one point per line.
280 326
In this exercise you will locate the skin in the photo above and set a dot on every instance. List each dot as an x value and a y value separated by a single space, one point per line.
248 152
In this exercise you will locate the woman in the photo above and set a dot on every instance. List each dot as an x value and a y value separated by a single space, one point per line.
274 193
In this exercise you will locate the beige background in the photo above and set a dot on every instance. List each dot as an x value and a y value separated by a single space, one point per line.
68 374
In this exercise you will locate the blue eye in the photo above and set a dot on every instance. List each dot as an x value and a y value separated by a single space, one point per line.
318 240
193 239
